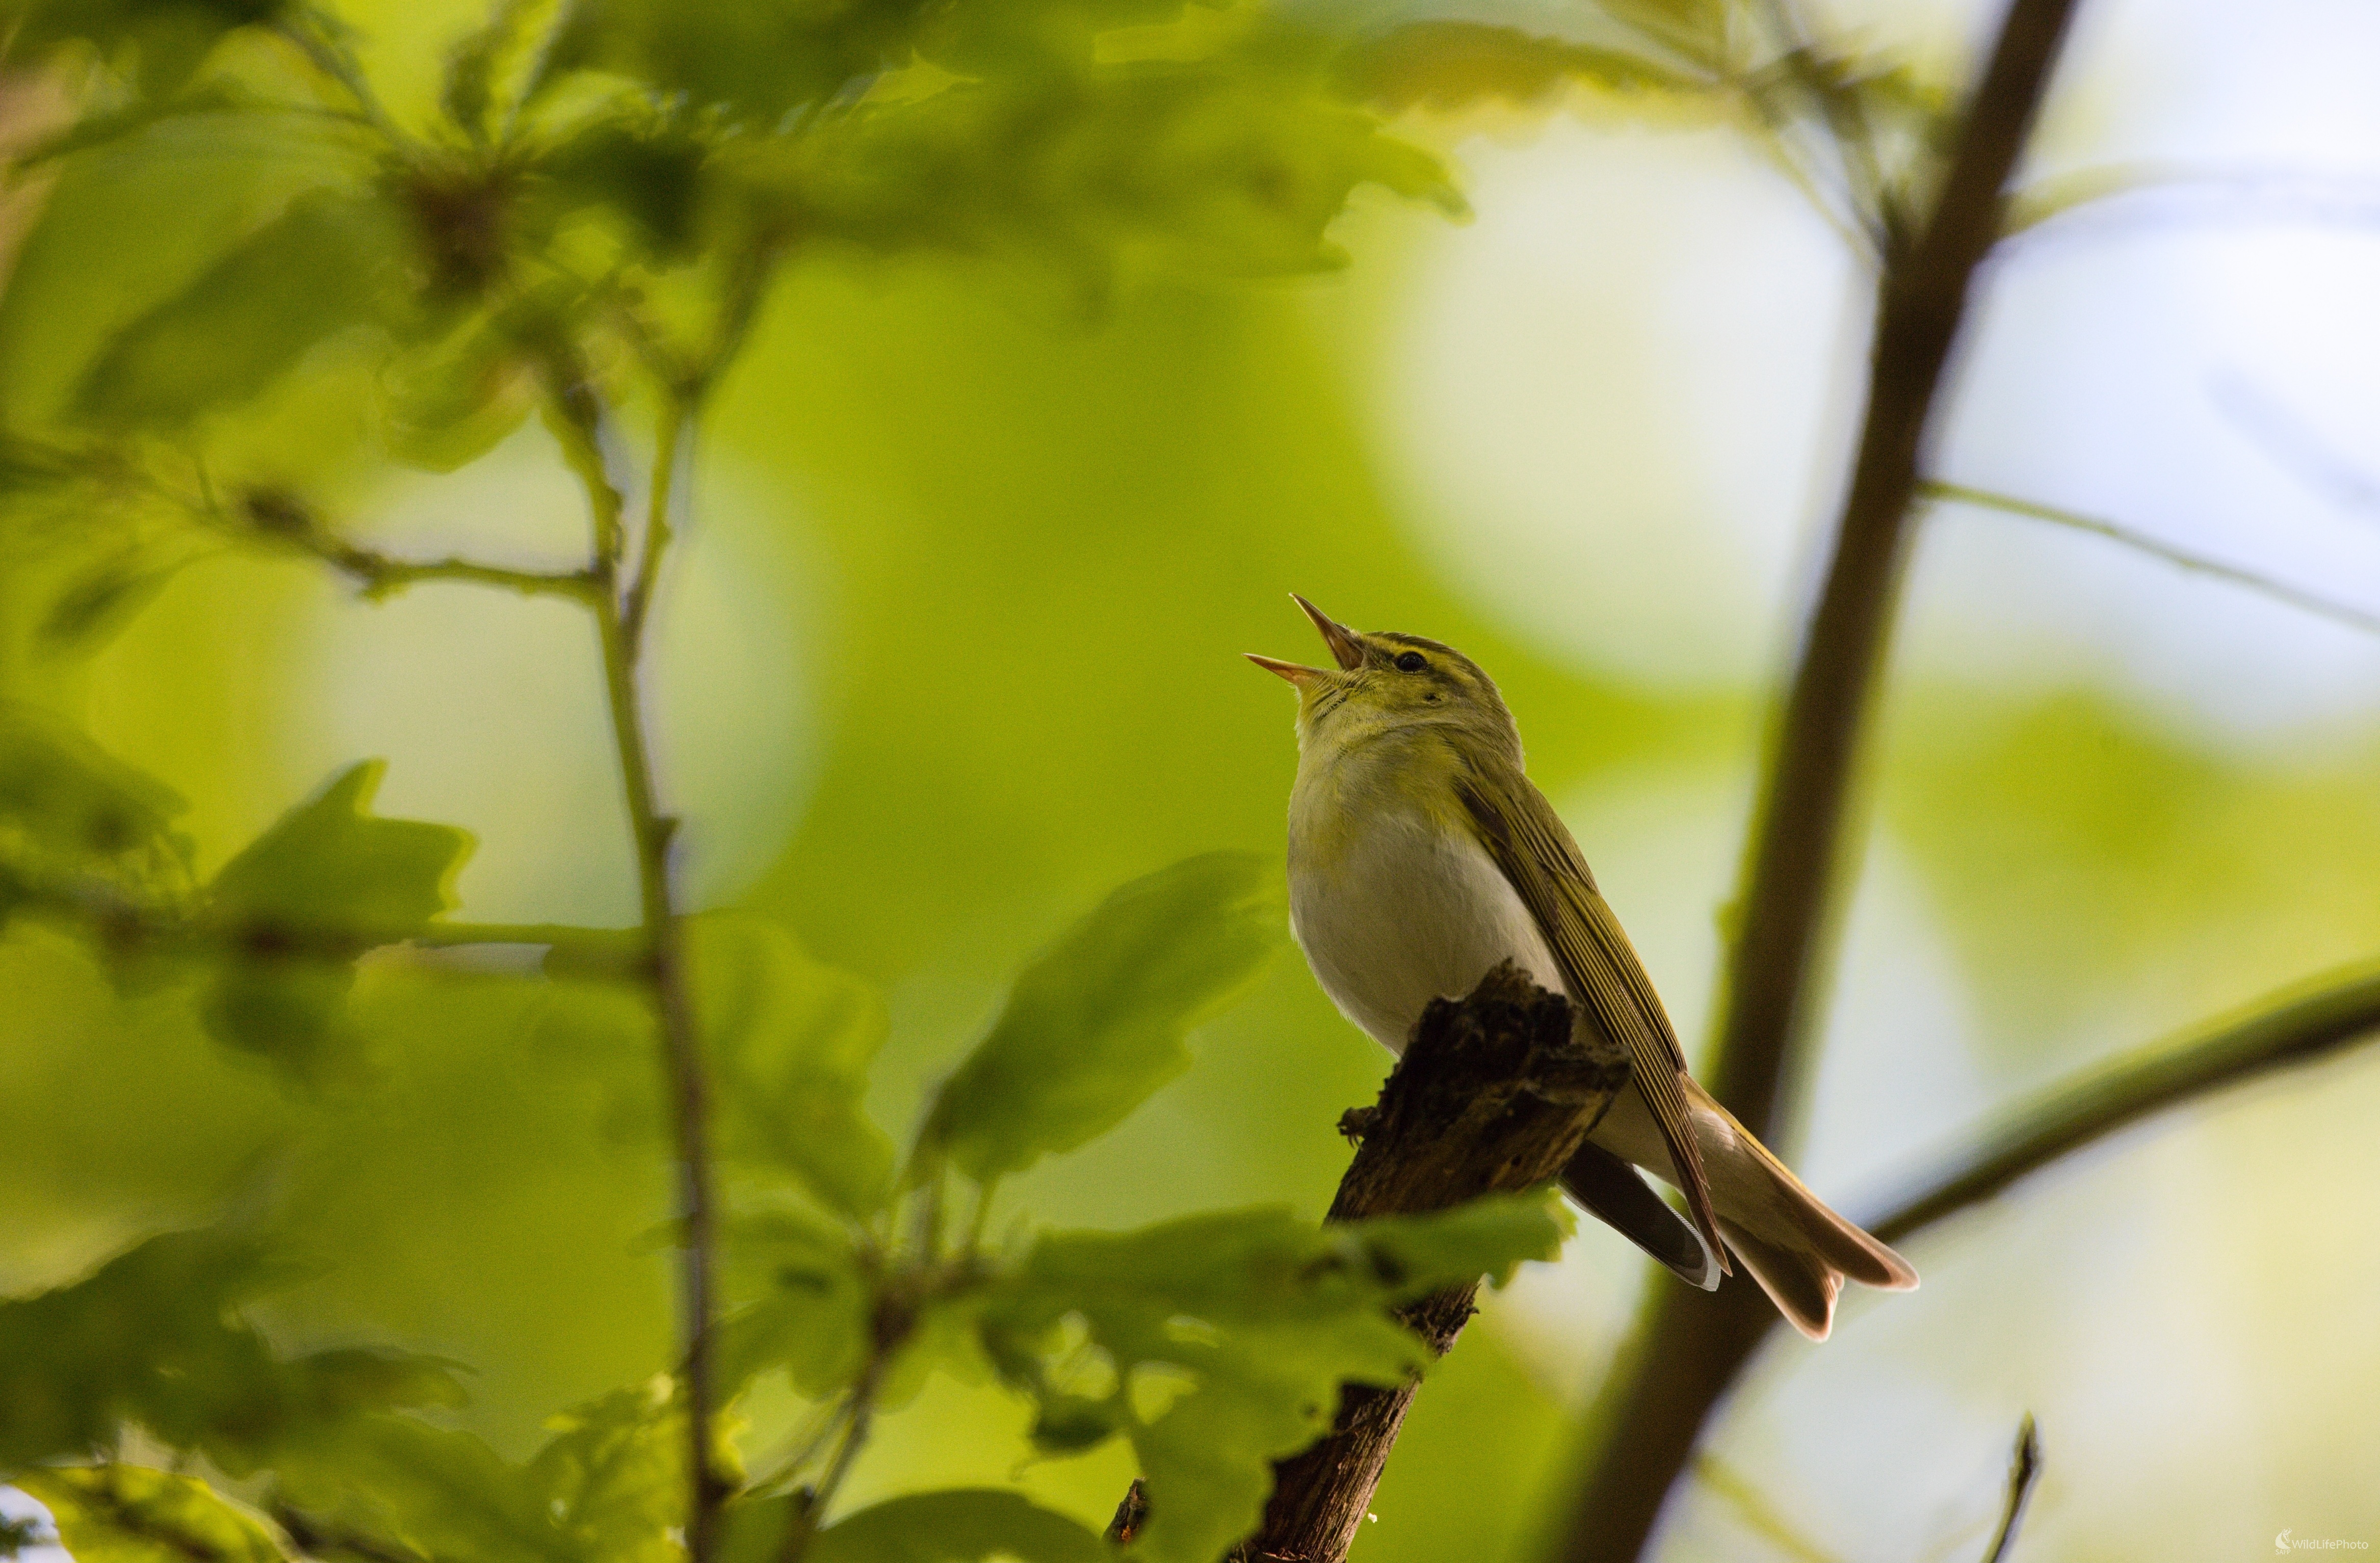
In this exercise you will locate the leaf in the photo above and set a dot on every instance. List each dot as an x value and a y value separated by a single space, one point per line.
326 882
1445 65
608 1487
749 60
811 1318
442 1493
488 71
1096 1024
960 1525
1158 165
1696 29
1217 1343
790 1042
613 1477
447 402
101 601
65 800
644 171
131 1514
985 38
317 268
155 43
152 1337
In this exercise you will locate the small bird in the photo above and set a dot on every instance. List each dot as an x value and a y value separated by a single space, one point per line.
1421 855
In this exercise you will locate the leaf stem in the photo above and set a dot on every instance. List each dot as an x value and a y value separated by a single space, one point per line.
860 1412
670 450
577 423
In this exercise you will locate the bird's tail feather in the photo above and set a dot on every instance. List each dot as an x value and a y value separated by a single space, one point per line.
1799 1250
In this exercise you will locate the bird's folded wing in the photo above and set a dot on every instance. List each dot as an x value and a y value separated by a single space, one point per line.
1534 849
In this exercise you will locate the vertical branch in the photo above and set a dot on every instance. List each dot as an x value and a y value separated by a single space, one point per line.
1923 298
1691 1348
619 627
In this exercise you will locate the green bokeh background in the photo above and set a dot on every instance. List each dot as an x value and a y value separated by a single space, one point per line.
954 650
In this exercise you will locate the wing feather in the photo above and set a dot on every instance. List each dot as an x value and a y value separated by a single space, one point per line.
1538 857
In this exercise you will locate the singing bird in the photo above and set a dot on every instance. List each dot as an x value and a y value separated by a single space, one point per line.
1421 855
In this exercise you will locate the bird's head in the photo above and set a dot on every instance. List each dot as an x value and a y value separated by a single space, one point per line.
1386 682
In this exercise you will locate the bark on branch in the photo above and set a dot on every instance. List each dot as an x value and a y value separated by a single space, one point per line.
1494 1093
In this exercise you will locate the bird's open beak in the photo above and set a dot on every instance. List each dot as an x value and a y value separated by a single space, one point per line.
1345 645
1296 673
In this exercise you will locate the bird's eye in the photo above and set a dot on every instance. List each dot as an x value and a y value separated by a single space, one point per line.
1412 662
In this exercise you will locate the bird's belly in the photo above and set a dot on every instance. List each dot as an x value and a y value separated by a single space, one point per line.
1405 912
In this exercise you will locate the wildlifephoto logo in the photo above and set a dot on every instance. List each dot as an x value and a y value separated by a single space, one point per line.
2284 1543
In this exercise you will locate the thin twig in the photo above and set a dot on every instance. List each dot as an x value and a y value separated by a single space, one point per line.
381 577
579 423
1693 1346
668 456
2024 1468
2340 613
2298 1026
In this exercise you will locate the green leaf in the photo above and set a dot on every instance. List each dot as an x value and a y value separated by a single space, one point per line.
960 1525
330 863
154 1338
1696 29
65 802
748 59
101 601
326 882
157 44
319 268
1446 65
447 402
1217 1343
811 1316
608 1487
442 1493
489 69
1155 167
790 1043
131 1514
613 1477
985 38
1096 1024
643 171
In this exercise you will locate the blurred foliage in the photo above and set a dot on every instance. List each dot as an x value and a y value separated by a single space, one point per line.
588 225
274 1110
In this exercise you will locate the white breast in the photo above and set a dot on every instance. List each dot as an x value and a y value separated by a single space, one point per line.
1400 912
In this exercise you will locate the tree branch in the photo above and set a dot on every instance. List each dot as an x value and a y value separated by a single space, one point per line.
1693 1347
1495 1093
1700 1350
381 577
1923 297
2024 1468
2298 1026
2341 612
578 425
